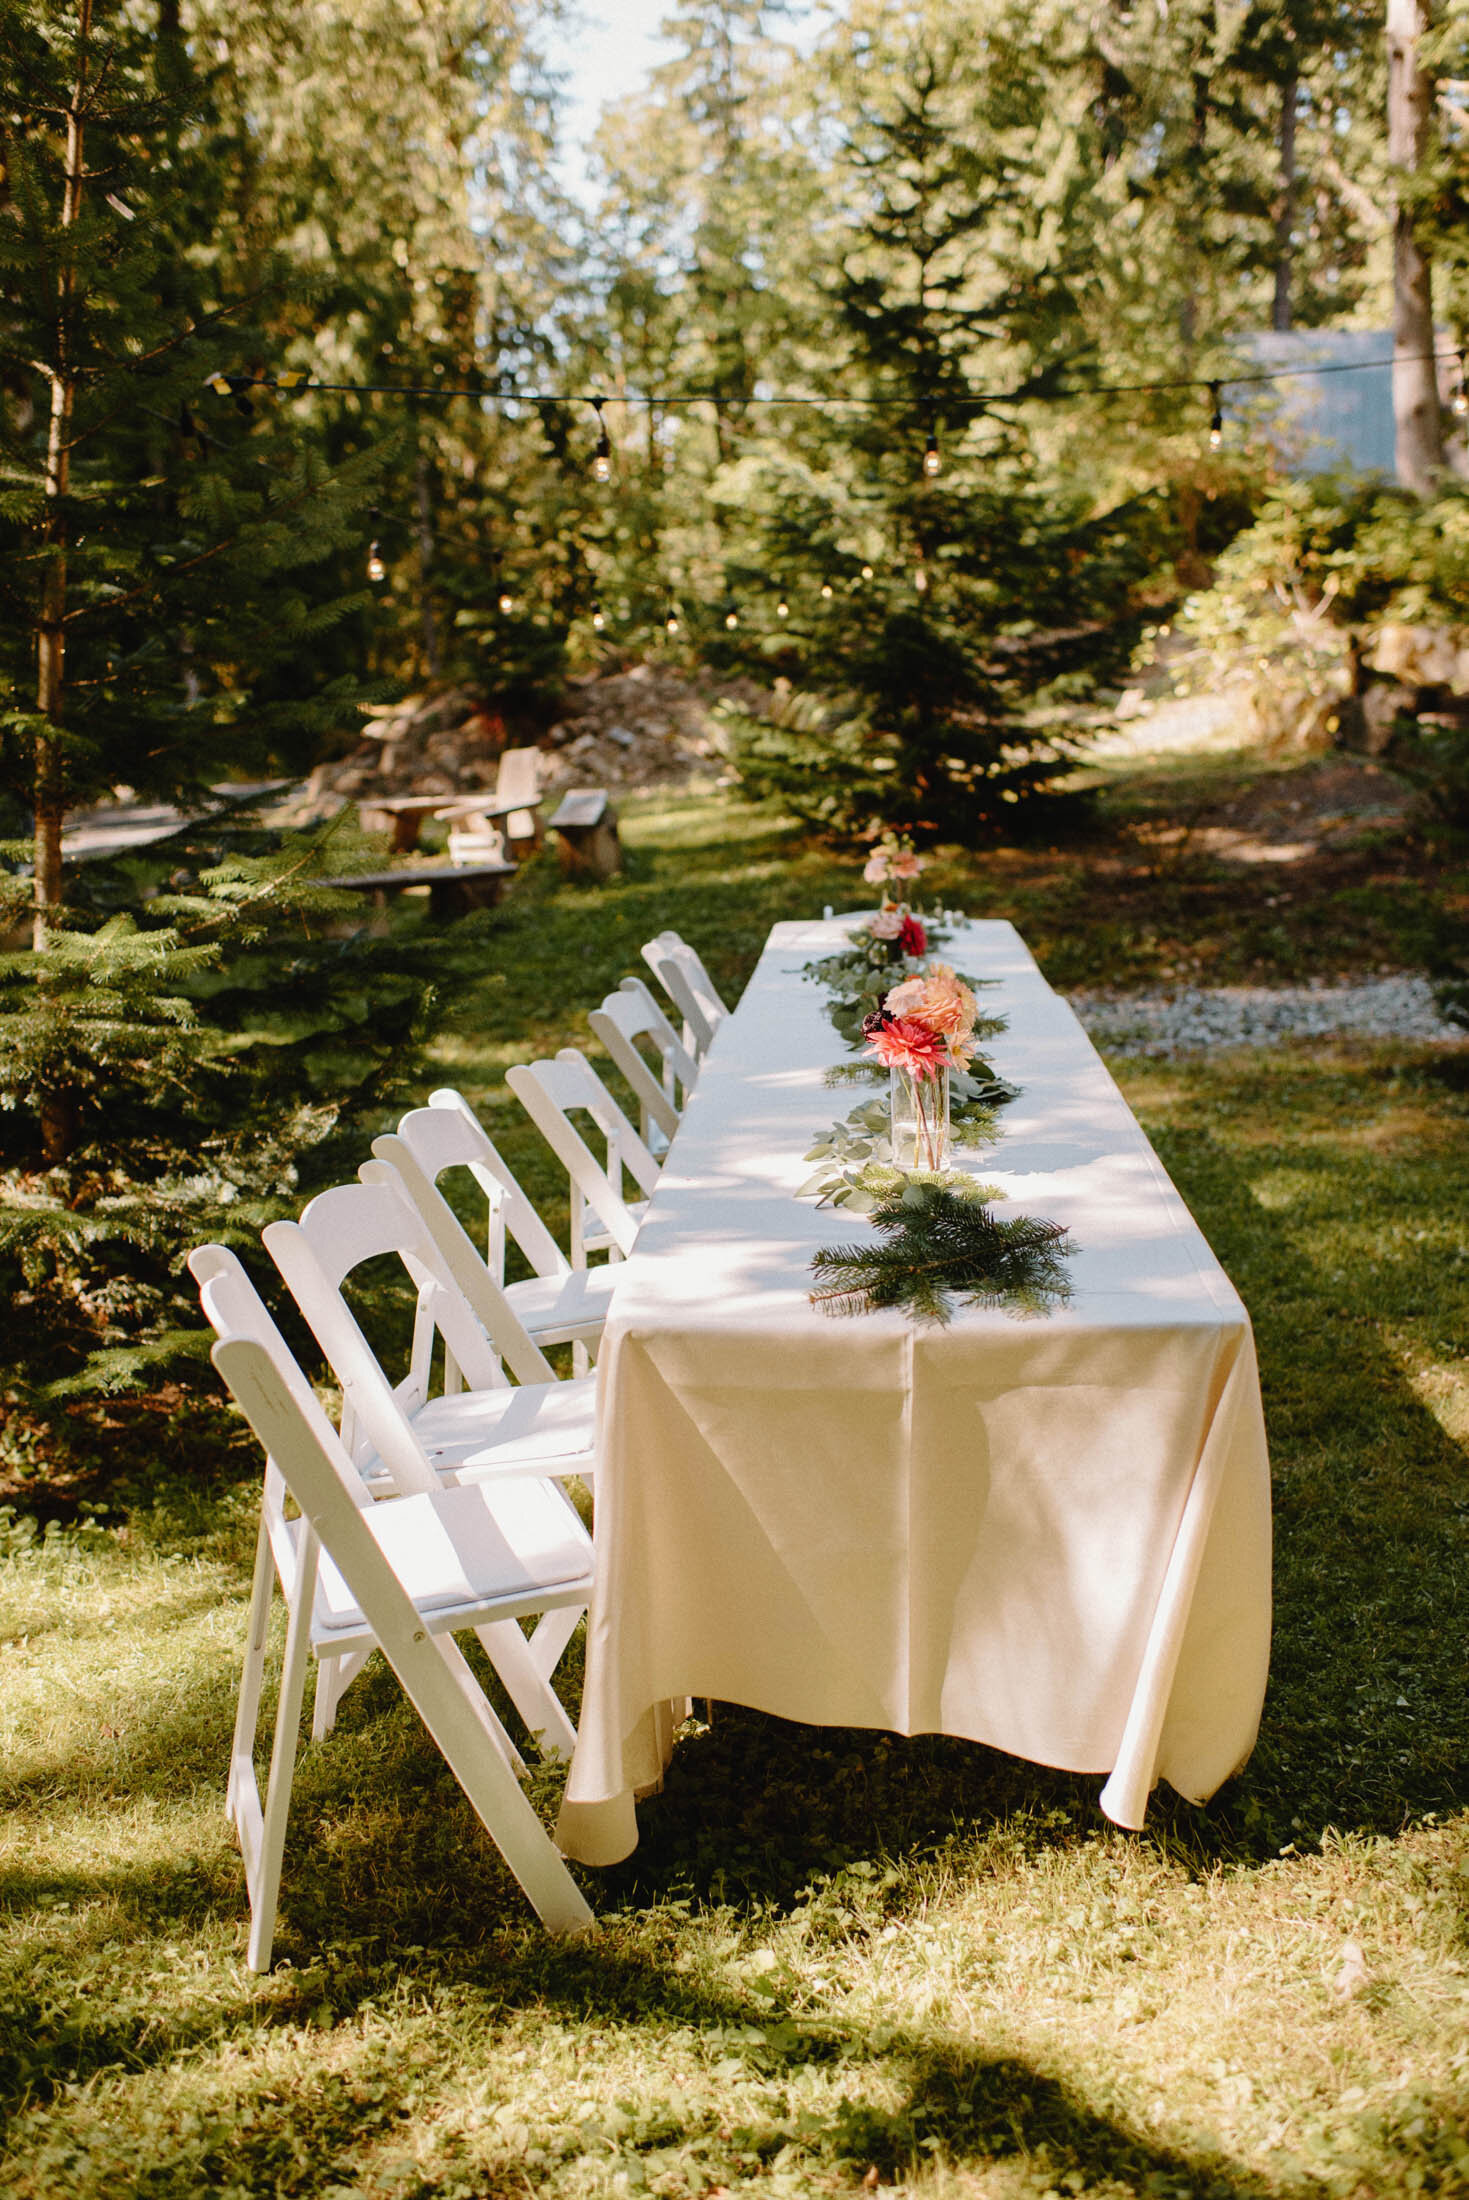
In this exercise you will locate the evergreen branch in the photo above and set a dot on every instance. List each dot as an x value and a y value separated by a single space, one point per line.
939 1246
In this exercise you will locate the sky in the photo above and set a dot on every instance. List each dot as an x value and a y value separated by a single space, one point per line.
607 59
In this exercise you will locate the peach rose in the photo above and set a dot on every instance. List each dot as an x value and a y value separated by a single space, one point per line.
875 869
946 1003
907 999
886 925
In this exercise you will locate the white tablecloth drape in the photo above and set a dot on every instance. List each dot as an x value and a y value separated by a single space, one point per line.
1051 1535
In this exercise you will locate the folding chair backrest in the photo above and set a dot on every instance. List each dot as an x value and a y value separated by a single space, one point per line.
234 1308
447 1134
689 986
296 1433
632 1014
395 1162
519 781
339 1230
551 1093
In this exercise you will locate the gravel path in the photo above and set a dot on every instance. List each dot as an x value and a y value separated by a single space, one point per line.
1191 1019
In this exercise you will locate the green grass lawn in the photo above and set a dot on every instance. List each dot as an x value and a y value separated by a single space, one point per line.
836 1958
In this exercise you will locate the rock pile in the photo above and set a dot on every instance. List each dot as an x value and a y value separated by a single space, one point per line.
644 727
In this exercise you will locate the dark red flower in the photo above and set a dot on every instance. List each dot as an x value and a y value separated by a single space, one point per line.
912 939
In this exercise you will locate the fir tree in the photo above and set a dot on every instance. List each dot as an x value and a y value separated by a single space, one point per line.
172 558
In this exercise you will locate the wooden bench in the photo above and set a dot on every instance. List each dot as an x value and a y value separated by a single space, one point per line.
453 888
586 825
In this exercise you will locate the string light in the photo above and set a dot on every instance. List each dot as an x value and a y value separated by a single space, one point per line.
670 623
782 609
376 570
867 572
826 591
1216 422
920 580
731 619
599 619
507 603
602 456
931 460
1460 402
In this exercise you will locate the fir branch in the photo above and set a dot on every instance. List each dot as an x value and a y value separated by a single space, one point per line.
940 1246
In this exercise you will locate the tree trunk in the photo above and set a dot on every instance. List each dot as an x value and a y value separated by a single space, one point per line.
50 781
1285 219
1416 410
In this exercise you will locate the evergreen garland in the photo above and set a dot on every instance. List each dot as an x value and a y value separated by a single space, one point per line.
940 1244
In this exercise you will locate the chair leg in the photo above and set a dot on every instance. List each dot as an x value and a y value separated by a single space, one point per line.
263 1869
527 1687
549 1637
484 1710
332 1682
455 1716
257 1634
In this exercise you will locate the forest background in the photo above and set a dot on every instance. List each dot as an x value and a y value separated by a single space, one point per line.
304 362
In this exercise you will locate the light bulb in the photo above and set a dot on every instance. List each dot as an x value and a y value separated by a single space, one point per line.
507 605
782 609
671 622
602 457
1216 422
376 570
598 620
867 572
731 620
826 591
931 460
920 581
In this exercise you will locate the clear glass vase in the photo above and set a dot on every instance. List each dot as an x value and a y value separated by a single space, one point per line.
919 1114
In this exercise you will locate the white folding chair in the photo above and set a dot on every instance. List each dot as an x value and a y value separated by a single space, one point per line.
622 1019
401 1574
690 988
551 1093
478 1425
559 1304
231 1302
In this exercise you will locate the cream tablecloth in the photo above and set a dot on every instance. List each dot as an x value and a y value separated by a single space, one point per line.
1048 1535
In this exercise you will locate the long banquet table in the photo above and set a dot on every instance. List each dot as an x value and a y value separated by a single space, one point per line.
1050 1535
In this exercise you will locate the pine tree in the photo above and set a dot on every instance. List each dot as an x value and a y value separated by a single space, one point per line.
903 555
172 557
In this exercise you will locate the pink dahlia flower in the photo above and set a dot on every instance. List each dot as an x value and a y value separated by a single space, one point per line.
900 1043
875 869
886 925
905 864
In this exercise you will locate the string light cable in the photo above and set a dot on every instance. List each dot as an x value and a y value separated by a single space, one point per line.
299 383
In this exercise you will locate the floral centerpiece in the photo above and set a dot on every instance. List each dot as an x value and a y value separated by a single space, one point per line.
924 1029
894 866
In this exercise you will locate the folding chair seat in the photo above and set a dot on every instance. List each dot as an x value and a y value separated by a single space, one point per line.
690 988
622 1019
552 1093
559 1304
402 1574
473 1556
